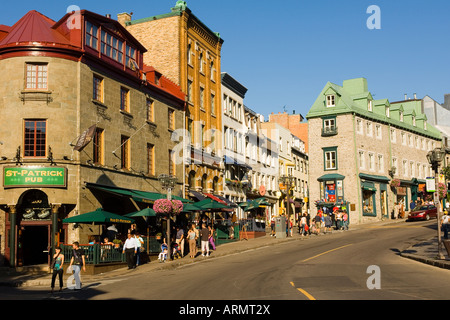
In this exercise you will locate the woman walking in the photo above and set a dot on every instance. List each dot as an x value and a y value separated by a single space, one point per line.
192 238
57 266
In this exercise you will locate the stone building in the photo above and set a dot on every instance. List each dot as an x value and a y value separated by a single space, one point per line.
82 119
367 154
182 47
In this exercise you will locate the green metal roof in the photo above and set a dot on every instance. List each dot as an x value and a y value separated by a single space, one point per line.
352 98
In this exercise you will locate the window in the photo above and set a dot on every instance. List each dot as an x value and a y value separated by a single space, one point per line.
369 128
98 146
330 101
380 163
412 169
124 99
171 163
35 138
393 136
359 126
371 162
202 98
395 164
189 91
378 131
91 35
403 138
112 47
388 112
125 152
189 53
200 61
150 110
130 60
150 159
414 121
369 106
37 76
362 160
97 91
401 116
405 168
330 158
190 130
329 125
171 119
213 104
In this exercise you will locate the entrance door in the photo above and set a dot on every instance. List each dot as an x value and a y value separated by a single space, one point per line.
34 242
383 199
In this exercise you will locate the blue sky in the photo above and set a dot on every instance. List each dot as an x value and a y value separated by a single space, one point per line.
285 51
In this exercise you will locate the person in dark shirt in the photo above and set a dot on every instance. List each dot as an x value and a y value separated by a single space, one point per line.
204 236
77 262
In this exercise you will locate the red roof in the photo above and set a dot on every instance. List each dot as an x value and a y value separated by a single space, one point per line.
34 27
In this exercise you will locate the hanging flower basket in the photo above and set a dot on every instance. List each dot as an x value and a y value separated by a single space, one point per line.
442 189
164 206
395 183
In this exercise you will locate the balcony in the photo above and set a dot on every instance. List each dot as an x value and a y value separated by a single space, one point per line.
329 131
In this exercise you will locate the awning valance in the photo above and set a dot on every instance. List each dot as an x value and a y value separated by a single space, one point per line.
372 177
331 176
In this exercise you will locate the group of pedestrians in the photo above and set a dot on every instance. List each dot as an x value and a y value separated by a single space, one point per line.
205 232
326 222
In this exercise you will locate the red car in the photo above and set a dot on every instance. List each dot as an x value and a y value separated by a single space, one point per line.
423 212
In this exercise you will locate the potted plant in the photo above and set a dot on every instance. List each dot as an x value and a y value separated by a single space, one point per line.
158 236
395 183
117 243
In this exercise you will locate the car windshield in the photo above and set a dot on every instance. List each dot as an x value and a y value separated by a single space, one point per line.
420 208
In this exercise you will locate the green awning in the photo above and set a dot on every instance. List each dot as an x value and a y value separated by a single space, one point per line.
331 176
372 177
98 216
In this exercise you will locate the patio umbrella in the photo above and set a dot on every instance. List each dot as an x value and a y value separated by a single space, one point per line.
214 205
147 212
191 207
99 216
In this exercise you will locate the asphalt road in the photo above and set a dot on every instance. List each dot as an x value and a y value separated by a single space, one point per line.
361 264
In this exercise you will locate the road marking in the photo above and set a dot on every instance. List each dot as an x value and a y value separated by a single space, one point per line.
320 254
310 297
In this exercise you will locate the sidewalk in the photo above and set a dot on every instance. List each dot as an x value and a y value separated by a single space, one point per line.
425 252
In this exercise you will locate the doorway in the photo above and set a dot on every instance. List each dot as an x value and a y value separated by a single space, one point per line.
34 245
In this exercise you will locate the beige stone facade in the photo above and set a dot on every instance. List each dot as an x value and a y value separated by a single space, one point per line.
68 107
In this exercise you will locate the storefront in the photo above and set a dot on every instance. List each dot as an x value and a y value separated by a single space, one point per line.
374 195
332 188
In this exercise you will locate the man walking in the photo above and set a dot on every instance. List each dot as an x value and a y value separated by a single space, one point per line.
130 249
76 263
204 236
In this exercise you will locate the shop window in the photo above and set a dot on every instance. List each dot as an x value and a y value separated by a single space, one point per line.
368 202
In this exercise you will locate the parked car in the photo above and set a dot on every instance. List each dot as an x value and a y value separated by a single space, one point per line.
423 212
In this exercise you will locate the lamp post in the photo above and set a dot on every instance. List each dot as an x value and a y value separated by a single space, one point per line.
287 181
168 182
435 157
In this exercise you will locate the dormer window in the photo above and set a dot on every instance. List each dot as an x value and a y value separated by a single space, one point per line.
401 116
331 102
414 121
388 114
369 106
425 125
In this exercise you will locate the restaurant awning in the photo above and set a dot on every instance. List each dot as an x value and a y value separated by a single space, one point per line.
98 216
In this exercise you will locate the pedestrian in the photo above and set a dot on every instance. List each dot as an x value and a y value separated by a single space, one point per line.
303 224
445 224
192 238
76 263
318 221
327 219
412 205
130 249
204 237
396 210
211 238
57 268
345 219
140 247
272 226
180 240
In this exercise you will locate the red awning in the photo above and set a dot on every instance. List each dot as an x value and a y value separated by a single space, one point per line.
215 198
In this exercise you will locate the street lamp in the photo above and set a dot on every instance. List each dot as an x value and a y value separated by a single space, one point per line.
168 182
435 157
288 182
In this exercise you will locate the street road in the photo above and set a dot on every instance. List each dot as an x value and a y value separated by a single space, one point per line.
361 264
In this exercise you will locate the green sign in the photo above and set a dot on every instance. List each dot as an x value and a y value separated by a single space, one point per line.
14 177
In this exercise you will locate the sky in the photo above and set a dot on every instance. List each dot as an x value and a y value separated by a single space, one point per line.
284 52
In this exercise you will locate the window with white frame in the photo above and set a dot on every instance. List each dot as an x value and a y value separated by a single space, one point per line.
380 163
388 112
362 162
359 126
369 128
371 161
330 160
370 106
331 100
378 131
403 138
405 168
412 168
393 136
401 116
395 163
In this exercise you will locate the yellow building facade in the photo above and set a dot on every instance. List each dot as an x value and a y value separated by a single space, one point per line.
185 50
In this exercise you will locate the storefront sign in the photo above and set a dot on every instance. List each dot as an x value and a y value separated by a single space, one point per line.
431 185
401 191
15 177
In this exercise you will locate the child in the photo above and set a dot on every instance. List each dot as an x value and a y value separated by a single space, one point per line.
163 254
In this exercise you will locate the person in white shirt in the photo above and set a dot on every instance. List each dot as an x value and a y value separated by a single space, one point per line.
130 249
